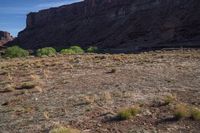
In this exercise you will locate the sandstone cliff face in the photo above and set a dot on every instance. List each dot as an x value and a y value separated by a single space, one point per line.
121 24
5 37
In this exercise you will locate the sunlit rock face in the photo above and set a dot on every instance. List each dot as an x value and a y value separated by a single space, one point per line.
115 24
5 37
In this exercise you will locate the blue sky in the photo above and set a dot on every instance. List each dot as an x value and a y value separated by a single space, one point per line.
13 12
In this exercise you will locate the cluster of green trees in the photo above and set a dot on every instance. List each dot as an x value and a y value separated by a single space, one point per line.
16 51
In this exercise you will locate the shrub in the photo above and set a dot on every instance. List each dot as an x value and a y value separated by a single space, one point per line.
48 51
195 114
92 49
67 51
181 111
128 113
16 51
77 49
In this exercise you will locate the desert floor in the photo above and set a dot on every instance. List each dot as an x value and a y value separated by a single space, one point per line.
86 92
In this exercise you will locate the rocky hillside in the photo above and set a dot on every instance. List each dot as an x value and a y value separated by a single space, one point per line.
120 24
5 37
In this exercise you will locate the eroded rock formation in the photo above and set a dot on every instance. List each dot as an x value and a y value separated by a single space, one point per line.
121 24
5 37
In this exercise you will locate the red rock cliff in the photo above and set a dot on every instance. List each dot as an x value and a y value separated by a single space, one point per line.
123 24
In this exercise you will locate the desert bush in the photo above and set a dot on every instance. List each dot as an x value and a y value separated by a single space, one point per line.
128 113
77 49
67 51
48 51
15 51
181 111
92 49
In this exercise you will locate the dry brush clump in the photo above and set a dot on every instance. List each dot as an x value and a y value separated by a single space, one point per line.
64 130
128 113
181 111
106 96
185 111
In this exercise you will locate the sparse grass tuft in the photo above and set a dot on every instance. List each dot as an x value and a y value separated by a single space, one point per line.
88 99
107 96
181 111
128 113
46 115
195 114
64 130
169 99
184 111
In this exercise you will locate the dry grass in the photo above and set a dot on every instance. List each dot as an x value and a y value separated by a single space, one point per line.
185 111
106 96
195 113
46 115
181 111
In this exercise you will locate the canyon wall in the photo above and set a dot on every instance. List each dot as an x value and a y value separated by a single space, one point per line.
115 24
